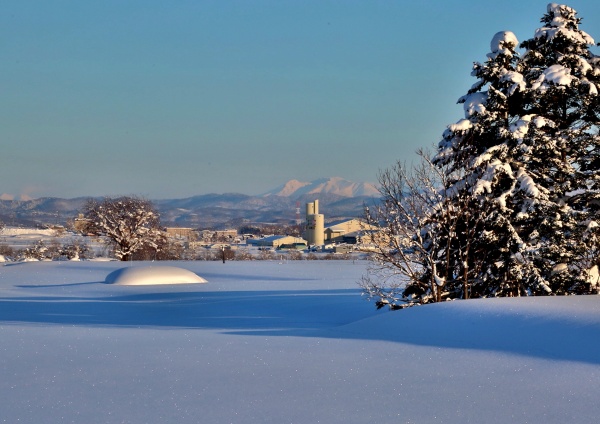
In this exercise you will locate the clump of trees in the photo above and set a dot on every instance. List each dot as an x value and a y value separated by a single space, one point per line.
508 204
131 223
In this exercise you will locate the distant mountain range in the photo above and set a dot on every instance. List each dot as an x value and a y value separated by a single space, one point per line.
339 199
335 185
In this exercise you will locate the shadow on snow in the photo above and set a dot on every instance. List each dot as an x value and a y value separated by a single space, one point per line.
341 314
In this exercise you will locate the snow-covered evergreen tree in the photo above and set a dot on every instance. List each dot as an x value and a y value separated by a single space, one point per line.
528 147
481 148
521 186
562 101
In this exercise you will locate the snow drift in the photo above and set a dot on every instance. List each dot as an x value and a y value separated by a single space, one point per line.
152 275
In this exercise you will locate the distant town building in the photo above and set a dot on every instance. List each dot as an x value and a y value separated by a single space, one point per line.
276 242
343 248
219 235
188 234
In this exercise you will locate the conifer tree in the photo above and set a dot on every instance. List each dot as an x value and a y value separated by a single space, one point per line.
528 148
521 170
482 147
561 148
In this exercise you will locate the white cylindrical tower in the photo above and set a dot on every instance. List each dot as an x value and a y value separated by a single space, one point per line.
315 225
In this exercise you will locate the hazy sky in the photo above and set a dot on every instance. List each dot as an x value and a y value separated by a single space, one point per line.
171 99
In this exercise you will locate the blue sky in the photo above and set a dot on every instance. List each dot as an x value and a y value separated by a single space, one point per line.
170 99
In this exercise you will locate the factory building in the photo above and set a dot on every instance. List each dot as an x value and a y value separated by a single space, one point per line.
277 242
346 231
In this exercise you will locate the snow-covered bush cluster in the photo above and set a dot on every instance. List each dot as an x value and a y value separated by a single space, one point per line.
508 205
43 250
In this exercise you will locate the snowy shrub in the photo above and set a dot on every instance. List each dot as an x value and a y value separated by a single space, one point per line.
39 251
6 251
265 255
76 249
295 255
243 255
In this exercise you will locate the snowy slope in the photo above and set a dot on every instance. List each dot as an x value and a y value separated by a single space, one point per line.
270 342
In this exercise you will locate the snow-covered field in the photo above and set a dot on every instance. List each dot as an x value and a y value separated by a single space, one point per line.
292 342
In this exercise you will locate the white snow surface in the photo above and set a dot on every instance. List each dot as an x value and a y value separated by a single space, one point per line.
152 275
289 342
15 231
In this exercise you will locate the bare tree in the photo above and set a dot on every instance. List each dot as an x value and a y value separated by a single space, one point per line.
424 250
131 223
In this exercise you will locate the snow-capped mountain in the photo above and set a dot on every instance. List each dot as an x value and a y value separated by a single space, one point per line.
334 185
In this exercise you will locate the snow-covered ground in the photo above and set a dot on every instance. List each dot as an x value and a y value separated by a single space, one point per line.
291 342
21 238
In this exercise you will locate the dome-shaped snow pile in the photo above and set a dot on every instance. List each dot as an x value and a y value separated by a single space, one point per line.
152 275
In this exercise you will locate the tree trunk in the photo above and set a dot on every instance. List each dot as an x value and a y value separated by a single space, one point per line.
466 283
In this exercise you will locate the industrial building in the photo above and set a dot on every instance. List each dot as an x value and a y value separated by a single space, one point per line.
347 231
350 231
276 242
315 225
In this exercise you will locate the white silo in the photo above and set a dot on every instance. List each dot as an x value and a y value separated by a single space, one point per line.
315 225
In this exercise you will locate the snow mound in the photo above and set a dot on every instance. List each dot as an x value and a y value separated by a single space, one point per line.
152 275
